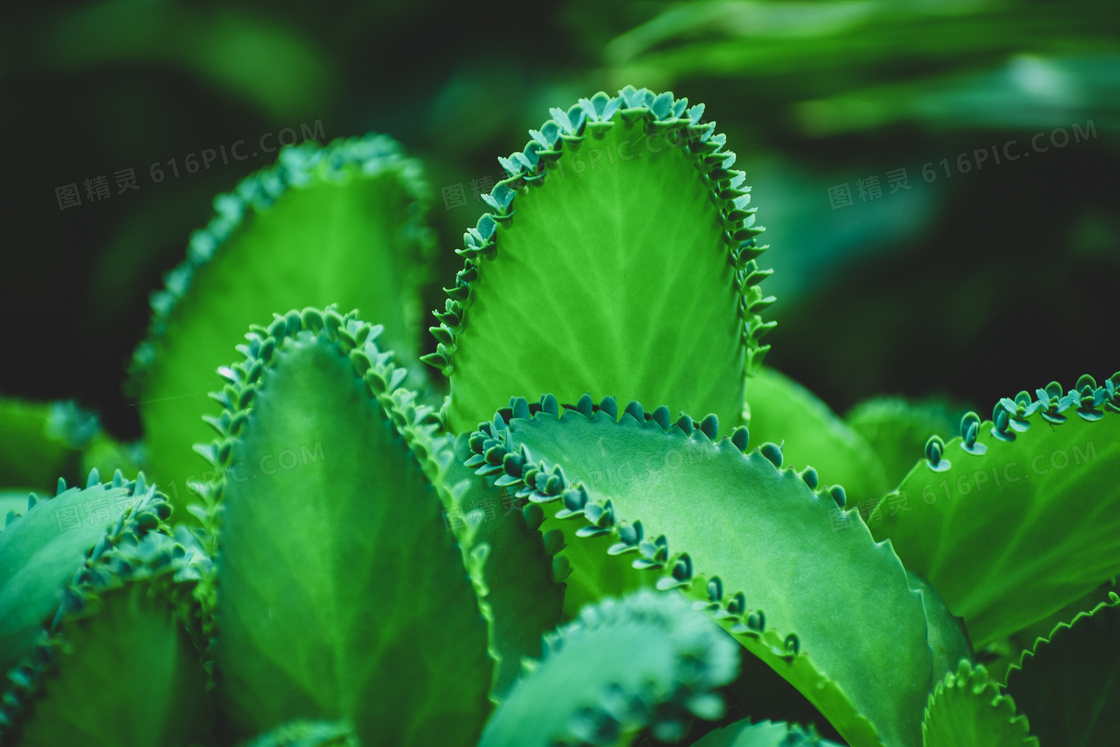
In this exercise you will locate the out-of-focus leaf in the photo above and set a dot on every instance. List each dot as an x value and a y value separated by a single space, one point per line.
851 42
250 57
967 709
784 412
1029 93
42 441
898 430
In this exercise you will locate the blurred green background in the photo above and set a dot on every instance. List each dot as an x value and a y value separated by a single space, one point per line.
973 278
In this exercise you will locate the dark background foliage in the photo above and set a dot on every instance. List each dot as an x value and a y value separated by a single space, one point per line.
968 285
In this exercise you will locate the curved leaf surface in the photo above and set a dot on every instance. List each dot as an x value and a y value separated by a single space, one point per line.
120 665
340 224
786 413
340 594
74 532
763 734
521 576
966 709
799 582
897 429
645 661
1019 516
619 256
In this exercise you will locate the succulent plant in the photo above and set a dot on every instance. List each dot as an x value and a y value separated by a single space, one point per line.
603 524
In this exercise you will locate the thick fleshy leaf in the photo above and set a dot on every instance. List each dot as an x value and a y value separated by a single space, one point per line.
1018 517
522 578
1067 685
645 661
119 662
897 430
786 413
619 257
799 582
124 674
763 734
340 595
41 550
966 709
339 224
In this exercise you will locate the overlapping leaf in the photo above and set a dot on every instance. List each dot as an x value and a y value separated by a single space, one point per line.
104 625
1017 517
522 577
763 734
341 594
966 709
124 673
57 537
340 224
39 442
784 412
1067 683
799 582
645 661
897 430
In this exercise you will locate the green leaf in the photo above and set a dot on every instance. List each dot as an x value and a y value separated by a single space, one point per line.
108 455
13 501
521 585
307 734
619 256
120 664
967 710
41 441
647 660
801 584
948 638
775 52
41 551
1068 683
897 430
784 412
1024 639
1008 531
271 67
1001 654
128 677
763 734
986 97
340 595
339 224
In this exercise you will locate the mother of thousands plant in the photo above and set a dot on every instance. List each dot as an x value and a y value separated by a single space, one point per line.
606 530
